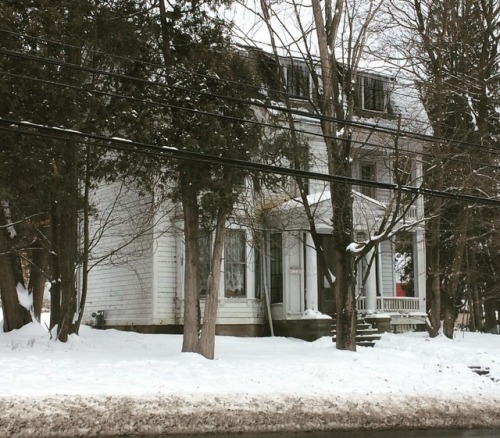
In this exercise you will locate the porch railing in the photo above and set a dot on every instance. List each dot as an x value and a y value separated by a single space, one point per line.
392 304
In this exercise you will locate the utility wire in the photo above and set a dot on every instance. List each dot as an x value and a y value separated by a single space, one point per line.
283 127
245 47
126 145
245 53
354 124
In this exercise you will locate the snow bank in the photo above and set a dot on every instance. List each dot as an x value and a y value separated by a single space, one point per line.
117 383
110 416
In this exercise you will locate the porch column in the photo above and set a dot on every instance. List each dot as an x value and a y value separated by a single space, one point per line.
311 273
419 256
371 285
419 267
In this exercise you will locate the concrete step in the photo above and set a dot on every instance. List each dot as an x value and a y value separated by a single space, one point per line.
366 335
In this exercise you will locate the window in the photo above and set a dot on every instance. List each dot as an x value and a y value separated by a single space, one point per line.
373 93
235 264
205 262
276 249
367 173
258 271
297 80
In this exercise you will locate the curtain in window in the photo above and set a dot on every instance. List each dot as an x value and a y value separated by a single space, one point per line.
234 264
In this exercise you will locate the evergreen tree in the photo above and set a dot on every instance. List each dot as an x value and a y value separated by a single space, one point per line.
56 63
210 89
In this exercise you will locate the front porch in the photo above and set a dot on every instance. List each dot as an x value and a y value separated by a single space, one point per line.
406 312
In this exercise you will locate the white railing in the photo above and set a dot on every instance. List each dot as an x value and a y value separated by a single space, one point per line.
392 304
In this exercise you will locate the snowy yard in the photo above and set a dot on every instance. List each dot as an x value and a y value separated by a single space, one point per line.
118 382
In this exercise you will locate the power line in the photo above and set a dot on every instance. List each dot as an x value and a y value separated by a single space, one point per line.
320 117
248 47
126 145
282 127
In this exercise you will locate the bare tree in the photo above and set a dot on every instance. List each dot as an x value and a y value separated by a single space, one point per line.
330 38
452 49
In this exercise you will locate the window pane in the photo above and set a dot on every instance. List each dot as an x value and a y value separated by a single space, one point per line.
297 78
234 264
375 94
276 268
368 174
258 272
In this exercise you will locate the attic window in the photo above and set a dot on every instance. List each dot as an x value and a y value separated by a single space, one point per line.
297 80
374 93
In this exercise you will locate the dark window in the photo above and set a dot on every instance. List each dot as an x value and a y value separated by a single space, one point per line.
297 80
258 271
235 264
276 249
367 171
374 93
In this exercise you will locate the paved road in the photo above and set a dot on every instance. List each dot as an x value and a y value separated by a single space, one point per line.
440 433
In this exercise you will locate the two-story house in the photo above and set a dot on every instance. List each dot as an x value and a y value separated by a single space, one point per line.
271 277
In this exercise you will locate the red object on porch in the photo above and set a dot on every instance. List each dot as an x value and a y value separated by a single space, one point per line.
400 292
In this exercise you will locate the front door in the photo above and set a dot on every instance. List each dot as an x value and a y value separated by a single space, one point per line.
326 298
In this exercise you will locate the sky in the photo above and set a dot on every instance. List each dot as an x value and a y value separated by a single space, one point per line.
110 381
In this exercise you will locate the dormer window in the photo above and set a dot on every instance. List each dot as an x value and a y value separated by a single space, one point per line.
297 80
374 93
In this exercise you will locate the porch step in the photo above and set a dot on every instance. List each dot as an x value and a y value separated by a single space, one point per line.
366 335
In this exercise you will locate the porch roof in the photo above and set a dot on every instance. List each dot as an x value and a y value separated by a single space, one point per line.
291 214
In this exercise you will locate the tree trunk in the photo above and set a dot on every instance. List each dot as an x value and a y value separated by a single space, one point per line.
345 283
450 298
86 239
475 306
207 339
434 279
55 284
15 316
67 211
190 340
38 276
338 152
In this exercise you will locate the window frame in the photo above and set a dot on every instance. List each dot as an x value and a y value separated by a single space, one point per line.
374 93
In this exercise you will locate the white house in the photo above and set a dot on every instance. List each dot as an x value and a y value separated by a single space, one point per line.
143 290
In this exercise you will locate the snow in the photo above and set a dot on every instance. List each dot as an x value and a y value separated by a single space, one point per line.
24 297
6 211
112 382
314 314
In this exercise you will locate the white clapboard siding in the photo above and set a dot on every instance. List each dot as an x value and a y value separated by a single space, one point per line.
237 311
166 271
121 285
387 268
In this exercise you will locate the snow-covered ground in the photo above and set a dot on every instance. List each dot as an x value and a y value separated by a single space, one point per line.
111 382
